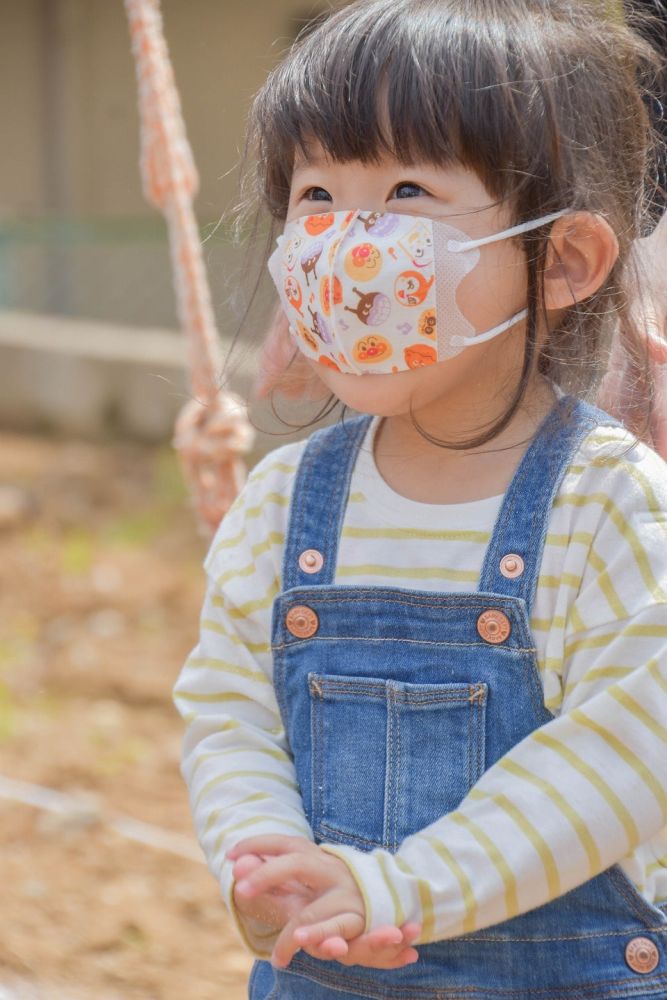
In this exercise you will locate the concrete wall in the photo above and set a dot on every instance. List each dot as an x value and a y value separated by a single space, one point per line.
68 97
77 238
76 235
94 381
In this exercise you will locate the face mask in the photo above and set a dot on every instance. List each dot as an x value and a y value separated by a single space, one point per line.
376 292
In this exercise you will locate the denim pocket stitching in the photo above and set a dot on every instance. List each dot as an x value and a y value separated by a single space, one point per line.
474 695
314 782
317 777
471 743
338 637
344 835
481 738
395 771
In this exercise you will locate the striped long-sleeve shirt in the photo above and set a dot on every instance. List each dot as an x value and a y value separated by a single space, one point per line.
581 793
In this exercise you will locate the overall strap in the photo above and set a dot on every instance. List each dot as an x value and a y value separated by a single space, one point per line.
521 528
318 503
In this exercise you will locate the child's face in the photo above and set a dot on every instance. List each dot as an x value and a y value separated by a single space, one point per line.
495 290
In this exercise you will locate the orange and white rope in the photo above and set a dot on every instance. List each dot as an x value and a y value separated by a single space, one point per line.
212 432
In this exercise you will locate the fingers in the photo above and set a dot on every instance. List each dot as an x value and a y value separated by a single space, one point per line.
249 863
343 925
323 936
275 843
307 870
266 909
328 931
411 932
388 958
406 957
383 948
246 864
383 937
332 948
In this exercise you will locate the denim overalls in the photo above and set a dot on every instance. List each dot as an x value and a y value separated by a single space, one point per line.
396 701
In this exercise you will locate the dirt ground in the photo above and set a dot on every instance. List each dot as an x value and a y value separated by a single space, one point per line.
100 587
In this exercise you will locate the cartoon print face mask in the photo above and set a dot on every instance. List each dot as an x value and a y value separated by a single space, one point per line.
376 292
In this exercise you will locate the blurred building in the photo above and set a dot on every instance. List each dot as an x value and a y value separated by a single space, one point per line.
77 240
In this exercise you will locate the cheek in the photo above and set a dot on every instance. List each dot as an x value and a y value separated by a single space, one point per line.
392 395
495 289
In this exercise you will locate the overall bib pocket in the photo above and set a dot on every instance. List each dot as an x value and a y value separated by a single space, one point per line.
390 757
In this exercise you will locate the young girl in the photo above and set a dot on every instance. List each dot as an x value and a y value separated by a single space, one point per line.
429 702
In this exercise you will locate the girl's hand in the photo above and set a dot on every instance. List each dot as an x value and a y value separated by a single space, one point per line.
336 901
383 948
336 914
274 908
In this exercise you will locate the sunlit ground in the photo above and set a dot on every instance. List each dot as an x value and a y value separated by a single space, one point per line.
100 587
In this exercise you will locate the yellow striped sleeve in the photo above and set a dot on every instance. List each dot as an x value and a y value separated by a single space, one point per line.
467 892
627 755
560 801
497 858
532 834
625 529
588 772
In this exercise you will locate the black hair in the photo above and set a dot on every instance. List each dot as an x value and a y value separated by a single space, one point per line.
544 99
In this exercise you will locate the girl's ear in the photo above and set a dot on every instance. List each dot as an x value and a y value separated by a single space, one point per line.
582 251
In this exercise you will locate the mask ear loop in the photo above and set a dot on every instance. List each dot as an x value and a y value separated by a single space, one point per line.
459 246
459 341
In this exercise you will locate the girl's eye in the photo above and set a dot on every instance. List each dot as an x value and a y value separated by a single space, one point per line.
408 190
317 194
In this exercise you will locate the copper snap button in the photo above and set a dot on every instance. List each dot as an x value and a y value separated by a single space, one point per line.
311 561
494 626
302 622
512 566
642 955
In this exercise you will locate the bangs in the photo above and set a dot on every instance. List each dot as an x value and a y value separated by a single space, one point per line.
365 85
422 80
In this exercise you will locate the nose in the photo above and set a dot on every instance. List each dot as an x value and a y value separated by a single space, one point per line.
365 195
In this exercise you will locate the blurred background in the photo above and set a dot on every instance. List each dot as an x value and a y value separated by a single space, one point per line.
105 893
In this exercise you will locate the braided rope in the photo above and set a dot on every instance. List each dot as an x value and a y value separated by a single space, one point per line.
212 431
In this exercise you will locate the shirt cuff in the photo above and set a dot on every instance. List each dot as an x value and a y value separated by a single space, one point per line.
381 900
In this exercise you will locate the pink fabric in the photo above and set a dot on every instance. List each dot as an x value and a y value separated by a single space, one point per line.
625 388
284 368
627 385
